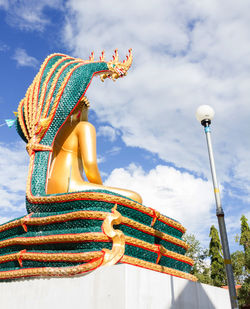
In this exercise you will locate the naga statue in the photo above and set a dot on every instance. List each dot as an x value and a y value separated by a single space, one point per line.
69 228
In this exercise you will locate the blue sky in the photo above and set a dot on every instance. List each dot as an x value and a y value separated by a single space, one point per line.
186 53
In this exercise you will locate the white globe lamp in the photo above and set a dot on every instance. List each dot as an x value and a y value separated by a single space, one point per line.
205 114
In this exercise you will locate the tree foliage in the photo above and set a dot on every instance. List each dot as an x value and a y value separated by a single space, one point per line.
238 264
244 292
245 233
218 275
201 268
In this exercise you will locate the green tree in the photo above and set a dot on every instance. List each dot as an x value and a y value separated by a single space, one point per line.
201 269
218 275
245 233
244 292
238 264
245 241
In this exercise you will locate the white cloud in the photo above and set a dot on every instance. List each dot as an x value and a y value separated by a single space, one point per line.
23 59
4 4
185 54
108 132
113 151
178 195
13 173
28 15
4 219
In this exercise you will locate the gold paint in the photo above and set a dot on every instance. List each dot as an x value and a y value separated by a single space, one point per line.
216 190
49 271
227 261
39 128
155 248
37 240
84 237
43 114
166 270
94 263
113 256
33 146
94 215
117 69
51 257
21 120
74 153
90 236
32 109
155 232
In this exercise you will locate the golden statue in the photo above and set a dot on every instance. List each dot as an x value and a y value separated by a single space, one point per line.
74 153
75 225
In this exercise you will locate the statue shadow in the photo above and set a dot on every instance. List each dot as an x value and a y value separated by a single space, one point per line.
193 295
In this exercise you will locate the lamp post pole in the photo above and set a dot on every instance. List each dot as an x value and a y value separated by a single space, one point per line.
204 114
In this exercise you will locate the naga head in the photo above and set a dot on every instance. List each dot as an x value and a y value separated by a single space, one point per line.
117 69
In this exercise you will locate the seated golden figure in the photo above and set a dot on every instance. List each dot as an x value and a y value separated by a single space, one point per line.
74 153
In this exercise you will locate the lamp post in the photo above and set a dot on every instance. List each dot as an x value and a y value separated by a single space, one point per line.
204 115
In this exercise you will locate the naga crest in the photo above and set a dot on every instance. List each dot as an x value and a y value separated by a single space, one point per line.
118 69
56 91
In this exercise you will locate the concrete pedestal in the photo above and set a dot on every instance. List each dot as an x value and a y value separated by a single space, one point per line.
116 287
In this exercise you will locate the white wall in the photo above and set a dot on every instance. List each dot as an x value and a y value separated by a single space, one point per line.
116 287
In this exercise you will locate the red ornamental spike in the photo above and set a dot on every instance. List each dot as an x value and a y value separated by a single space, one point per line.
115 57
91 57
102 57
24 221
19 258
159 255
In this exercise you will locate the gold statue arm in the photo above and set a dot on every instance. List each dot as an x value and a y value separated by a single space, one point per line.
87 145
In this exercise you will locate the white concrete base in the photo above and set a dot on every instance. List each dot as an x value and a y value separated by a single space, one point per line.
116 287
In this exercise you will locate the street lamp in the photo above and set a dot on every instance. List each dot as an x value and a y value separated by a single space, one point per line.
204 115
